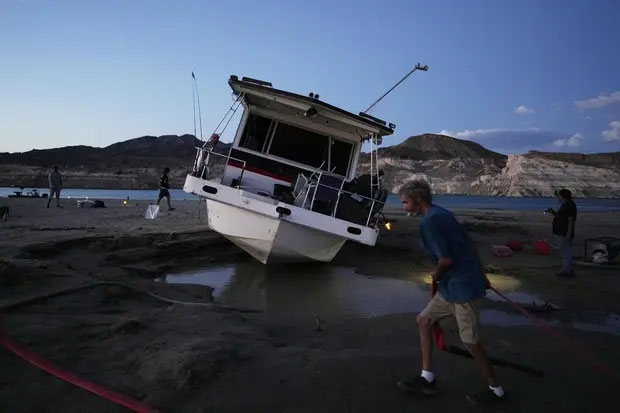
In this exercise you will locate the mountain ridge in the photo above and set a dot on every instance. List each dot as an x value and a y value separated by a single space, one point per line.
451 165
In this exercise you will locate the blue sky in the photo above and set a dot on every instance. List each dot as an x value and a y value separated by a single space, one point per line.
512 75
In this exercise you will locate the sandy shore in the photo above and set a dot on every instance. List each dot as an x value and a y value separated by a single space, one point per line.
181 358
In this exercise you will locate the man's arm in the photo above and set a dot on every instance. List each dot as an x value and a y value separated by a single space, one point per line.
571 226
443 265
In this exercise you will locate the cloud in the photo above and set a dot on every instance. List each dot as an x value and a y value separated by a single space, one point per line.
598 102
523 110
613 133
518 141
572 142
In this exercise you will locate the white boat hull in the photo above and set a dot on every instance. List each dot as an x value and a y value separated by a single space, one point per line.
253 223
270 239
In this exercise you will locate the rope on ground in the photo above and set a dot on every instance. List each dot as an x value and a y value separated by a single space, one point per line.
90 386
438 337
74 289
577 349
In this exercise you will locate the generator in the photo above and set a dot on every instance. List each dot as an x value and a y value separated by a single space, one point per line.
601 250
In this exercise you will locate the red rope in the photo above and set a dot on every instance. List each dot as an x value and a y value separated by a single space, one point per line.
577 349
95 388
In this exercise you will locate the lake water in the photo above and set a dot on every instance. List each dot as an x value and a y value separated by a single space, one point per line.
305 290
446 201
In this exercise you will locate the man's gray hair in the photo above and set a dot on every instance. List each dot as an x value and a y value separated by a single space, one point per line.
417 189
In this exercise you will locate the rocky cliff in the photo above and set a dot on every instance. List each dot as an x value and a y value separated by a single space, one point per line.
526 175
454 166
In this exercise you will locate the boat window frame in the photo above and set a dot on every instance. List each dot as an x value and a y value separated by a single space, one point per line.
265 150
307 130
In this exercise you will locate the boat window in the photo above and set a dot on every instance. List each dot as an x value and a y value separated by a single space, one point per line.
300 145
340 157
255 132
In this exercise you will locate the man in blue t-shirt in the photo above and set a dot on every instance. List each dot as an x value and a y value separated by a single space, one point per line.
461 285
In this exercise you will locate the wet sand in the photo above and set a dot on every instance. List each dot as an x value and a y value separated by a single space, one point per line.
182 358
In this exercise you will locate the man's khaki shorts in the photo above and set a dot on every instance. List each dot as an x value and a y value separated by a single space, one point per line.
467 316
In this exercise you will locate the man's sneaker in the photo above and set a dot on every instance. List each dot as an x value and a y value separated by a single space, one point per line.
485 398
566 274
418 385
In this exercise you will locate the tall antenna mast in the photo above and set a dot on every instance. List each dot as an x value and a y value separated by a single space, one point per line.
194 106
197 94
417 67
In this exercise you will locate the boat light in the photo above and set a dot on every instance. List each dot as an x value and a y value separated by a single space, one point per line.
388 226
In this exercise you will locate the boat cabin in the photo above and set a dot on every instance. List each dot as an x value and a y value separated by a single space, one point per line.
284 139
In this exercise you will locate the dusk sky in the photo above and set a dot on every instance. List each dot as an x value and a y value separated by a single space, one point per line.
511 75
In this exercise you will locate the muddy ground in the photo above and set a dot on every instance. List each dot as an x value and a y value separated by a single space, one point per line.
185 358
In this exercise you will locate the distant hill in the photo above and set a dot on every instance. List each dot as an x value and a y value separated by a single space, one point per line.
131 164
431 146
145 151
435 146
451 165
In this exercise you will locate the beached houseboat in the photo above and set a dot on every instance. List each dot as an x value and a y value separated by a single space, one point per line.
288 190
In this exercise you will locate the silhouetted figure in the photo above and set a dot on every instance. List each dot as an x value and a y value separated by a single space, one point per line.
164 188
55 182
563 227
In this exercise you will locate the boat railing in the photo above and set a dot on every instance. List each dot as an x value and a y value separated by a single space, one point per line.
306 189
321 192
208 161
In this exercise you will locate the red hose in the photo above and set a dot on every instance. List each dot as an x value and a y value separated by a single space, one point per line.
95 388
577 349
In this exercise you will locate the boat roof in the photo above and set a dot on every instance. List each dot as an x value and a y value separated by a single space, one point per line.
263 94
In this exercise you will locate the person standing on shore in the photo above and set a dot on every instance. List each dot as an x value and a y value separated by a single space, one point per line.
164 188
461 285
55 182
563 227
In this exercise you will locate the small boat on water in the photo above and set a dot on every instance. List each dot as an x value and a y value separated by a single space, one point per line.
286 190
34 193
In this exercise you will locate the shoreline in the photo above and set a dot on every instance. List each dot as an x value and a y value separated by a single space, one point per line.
181 358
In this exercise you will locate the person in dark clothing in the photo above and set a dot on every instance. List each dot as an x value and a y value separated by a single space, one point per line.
55 182
563 227
164 188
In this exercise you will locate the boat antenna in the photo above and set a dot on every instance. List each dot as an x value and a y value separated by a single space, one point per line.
417 67
197 95
194 107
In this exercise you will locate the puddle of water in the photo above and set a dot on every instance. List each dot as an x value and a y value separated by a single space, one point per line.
518 297
216 278
591 321
328 290
308 289
504 319
606 323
